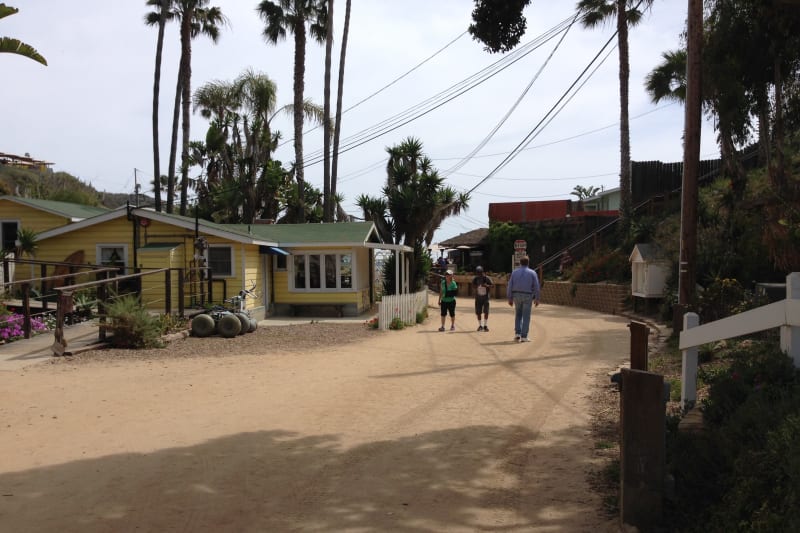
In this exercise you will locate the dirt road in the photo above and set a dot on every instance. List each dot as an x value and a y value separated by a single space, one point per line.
412 431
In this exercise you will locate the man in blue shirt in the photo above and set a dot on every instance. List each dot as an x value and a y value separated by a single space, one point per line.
522 291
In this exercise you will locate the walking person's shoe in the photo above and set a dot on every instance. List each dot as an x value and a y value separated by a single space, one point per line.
480 328
452 328
485 328
517 338
441 328
524 339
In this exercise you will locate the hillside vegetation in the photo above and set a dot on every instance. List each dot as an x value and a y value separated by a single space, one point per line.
60 186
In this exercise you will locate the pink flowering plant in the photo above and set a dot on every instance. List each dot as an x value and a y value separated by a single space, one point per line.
11 327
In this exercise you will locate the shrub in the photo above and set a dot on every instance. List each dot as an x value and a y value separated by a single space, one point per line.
742 472
373 323
131 325
397 323
601 265
422 315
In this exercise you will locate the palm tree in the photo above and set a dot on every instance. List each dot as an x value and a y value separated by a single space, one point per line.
195 19
240 142
9 45
292 16
415 202
338 124
159 18
584 192
626 13
722 94
327 207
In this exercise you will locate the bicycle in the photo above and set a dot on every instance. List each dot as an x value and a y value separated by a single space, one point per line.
227 321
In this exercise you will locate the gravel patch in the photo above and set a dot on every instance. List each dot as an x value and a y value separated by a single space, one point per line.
295 338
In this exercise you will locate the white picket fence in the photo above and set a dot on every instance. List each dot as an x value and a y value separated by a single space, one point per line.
784 314
404 306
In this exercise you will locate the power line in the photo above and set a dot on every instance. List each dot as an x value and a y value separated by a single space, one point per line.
535 131
415 67
419 110
494 130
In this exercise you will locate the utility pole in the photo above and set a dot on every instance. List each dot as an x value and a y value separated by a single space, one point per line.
691 158
136 187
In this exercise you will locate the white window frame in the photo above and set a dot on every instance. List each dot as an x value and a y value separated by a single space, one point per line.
98 254
231 254
321 254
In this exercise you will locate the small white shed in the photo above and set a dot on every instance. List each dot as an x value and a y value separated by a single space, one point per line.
649 269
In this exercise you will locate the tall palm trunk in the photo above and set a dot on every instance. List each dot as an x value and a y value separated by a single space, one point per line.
327 200
173 146
162 22
340 87
299 84
186 100
624 125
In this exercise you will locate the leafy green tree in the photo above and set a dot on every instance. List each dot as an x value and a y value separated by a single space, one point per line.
415 201
498 24
292 16
625 13
159 18
9 45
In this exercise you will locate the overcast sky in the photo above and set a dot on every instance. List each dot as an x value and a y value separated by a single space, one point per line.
89 111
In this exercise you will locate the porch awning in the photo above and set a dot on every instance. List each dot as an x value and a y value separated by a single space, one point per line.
272 250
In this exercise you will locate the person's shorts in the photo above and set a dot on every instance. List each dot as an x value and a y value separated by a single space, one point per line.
448 307
481 306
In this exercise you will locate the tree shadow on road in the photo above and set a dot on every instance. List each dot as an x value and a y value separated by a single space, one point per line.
499 478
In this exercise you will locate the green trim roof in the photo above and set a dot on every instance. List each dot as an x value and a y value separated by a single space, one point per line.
65 209
294 234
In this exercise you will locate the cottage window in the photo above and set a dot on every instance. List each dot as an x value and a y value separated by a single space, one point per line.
8 235
220 261
322 272
112 255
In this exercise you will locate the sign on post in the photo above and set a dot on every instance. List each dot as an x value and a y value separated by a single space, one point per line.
520 251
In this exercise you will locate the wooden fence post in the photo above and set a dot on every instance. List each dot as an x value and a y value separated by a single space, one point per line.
639 333
181 295
26 310
790 335
642 448
689 365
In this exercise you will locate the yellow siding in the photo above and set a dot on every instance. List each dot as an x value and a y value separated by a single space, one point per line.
153 286
30 218
247 262
118 231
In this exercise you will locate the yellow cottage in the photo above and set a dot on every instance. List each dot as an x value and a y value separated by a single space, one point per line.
288 266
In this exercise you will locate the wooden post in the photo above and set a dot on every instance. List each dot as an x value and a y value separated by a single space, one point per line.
639 334
181 295
642 448
43 287
102 300
790 335
167 293
689 365
59 343
26 309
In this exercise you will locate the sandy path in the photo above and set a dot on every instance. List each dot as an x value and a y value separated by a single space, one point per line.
411 430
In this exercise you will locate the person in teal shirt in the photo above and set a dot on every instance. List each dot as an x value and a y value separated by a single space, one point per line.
447 299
